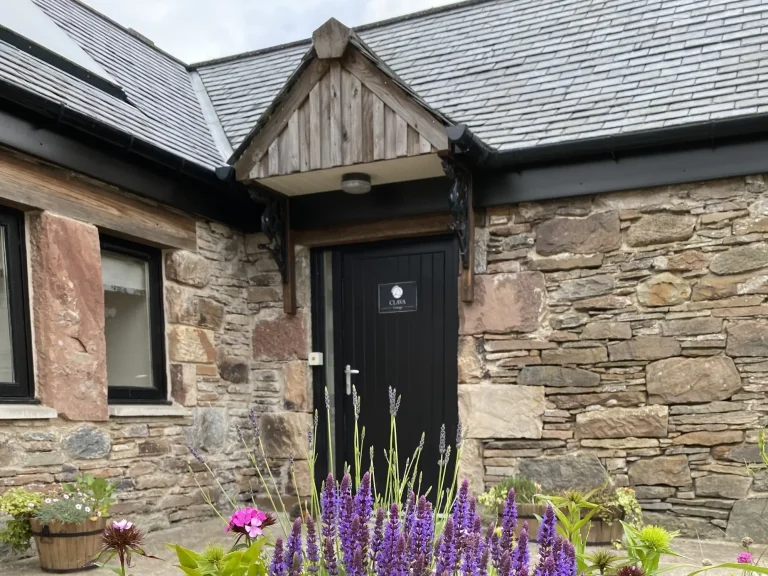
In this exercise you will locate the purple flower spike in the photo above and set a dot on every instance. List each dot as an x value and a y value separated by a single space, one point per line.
521 557
422 534
293 551
328 505
505 565
547 531
347 532
329 557
386 560
745 558
378 536
446 549
277 565
410 513
313 552
508 521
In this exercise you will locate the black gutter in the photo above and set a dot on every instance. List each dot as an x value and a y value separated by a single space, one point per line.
58 134
700 134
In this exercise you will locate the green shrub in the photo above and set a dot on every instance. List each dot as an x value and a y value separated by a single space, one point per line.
525 491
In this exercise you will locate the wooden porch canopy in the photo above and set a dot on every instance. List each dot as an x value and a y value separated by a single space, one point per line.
343 110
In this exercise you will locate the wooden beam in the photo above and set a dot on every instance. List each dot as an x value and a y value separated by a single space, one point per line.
372 231
289 286
331 39
336 135
468 274
32 184
396 98
245 167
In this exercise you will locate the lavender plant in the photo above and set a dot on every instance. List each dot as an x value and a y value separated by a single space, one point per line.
403 540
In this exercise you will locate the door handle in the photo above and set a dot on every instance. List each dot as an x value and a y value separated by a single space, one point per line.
348 371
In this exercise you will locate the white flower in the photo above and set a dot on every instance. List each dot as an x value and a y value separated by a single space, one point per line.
66 496
87 509
98 513
31 504
79 506
47 500
55 499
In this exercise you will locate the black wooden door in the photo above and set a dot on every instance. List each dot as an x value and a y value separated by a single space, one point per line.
399 327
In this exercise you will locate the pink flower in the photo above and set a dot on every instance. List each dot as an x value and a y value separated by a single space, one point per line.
122 525
744 558
247 521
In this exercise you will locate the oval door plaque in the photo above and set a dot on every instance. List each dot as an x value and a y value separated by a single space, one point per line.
398 297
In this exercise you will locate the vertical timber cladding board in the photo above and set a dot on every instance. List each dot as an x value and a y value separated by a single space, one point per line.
341 123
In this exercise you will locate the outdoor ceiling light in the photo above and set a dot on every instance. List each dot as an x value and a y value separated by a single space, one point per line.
356 183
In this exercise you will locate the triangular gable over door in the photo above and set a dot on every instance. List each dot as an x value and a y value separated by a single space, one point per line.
342 108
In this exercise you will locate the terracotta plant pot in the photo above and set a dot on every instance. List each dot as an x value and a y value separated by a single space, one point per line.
67 547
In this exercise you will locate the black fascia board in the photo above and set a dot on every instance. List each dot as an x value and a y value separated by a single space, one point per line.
597 173
42 53
34 125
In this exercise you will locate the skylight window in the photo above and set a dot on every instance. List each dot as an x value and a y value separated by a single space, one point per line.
25 26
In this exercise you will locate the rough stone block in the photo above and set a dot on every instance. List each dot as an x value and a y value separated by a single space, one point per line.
279 336
740 259
586 287
747 338
663 290
485 410
644 348
505 303
208 431
661 470
595 233
297 386
68 304
575 355
709 438
284 433
692 326
471 465
660 228
607 331
564 472
184 384
682 380
644 422
557 376
189 344
723 486
566 263
235 370
87 442
470 362
187 268
748 518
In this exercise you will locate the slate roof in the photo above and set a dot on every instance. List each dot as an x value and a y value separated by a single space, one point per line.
520 73
523 73
162 107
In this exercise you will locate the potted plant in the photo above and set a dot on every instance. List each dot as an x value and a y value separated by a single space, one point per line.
616 505
68 523
528 510
21 505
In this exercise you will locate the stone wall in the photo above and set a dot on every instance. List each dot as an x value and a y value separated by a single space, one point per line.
625 335
230 349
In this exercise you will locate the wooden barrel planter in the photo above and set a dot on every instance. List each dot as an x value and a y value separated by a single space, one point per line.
604 533
66 547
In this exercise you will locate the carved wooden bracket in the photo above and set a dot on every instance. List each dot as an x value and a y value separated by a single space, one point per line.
275 223
463 224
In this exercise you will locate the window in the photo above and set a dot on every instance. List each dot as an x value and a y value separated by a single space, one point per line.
134 328
15 338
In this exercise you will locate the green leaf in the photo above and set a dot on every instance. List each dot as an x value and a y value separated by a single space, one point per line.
252 554
733 566
186 557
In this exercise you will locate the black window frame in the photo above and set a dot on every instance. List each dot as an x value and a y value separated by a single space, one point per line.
22 389
153 257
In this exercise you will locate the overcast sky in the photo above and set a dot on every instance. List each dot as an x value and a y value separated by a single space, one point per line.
195 30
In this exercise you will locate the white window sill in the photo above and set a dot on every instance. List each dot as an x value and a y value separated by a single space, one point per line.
26 412
150 410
